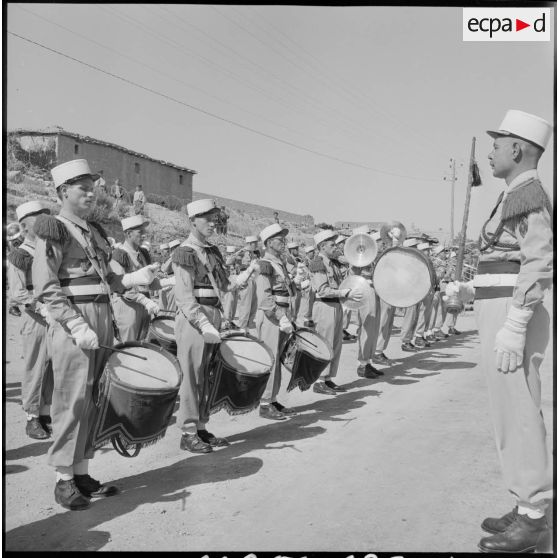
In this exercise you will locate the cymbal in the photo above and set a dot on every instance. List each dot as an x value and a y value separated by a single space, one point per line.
356 282
360 250
387 227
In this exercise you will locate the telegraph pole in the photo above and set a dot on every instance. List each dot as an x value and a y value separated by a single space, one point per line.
453 179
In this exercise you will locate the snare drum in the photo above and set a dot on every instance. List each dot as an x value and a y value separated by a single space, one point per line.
403 276
161 332
306 355
238 374
136 397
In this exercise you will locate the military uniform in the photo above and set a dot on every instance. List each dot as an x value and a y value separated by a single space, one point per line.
275 293
131 307
247 303
167 296
327 311
36 385
230 299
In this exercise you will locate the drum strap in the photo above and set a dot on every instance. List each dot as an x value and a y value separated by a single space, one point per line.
282 272
205 262
97 263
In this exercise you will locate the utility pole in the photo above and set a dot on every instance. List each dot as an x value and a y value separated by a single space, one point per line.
453 179
463 239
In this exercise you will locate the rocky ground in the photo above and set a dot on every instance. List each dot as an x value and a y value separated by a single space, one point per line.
406 462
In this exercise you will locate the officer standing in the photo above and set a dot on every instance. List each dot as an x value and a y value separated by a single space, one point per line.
514 273
201 279
275 292
134 308
71 276
327 311
36 384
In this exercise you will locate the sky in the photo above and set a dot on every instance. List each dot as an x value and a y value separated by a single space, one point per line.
367 105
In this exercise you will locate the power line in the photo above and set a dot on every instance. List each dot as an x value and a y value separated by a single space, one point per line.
217 117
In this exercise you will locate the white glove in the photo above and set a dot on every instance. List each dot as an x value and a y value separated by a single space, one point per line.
168 281
305 284
254 267
210 334
151 306
143 276
356 294
42 310
83 335
452 289
285 325
466 291
510 340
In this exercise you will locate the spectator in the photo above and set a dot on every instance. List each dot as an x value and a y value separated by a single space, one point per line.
117 192
276 216
100 182
139 200
224 219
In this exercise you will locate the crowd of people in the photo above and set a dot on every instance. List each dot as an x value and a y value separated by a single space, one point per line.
80 292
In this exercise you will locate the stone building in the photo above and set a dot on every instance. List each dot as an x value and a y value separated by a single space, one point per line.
110 160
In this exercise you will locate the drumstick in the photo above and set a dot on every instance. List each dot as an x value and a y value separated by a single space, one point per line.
121 351
305 340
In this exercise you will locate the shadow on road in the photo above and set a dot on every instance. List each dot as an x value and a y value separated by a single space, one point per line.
32 450
68 530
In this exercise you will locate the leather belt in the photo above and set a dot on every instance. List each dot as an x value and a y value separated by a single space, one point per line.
82 290
280 299
205 293
495 280
482 293
335 299
83 299
209 301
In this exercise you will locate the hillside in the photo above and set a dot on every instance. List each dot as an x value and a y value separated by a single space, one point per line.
244 219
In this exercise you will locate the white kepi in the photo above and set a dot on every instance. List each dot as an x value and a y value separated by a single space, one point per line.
71 170
524 125
199 207
273 230
30 208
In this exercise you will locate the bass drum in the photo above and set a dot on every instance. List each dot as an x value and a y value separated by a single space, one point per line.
136 396
403 276
306 355
238 374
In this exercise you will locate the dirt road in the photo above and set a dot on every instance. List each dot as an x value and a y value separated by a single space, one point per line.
406 462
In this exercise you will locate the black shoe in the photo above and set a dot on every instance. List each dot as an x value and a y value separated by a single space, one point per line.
419 342
431 339
521 535
67 494
15 311
35 430
323 388
381 359
496 525
212 440
348 336
409 348
92 488
439 335
193 443
367 371
310 323
453 331
283 409
271 413
46 423
374 369
334 387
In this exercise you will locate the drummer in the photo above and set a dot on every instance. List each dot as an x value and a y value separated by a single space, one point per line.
247 304
275 292
327 311
368 321
36 382
166 296
304 316
71 276
201 279
230 300
133 309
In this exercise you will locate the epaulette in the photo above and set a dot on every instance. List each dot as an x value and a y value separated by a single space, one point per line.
100 230
50 228
215 250
145 254
184 255
528 198
21 259
265 268
123 258
317 265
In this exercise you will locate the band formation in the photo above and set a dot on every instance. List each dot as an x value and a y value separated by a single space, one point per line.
97 346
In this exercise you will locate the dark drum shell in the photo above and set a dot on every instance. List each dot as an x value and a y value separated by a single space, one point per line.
161 332
136 414
302 360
